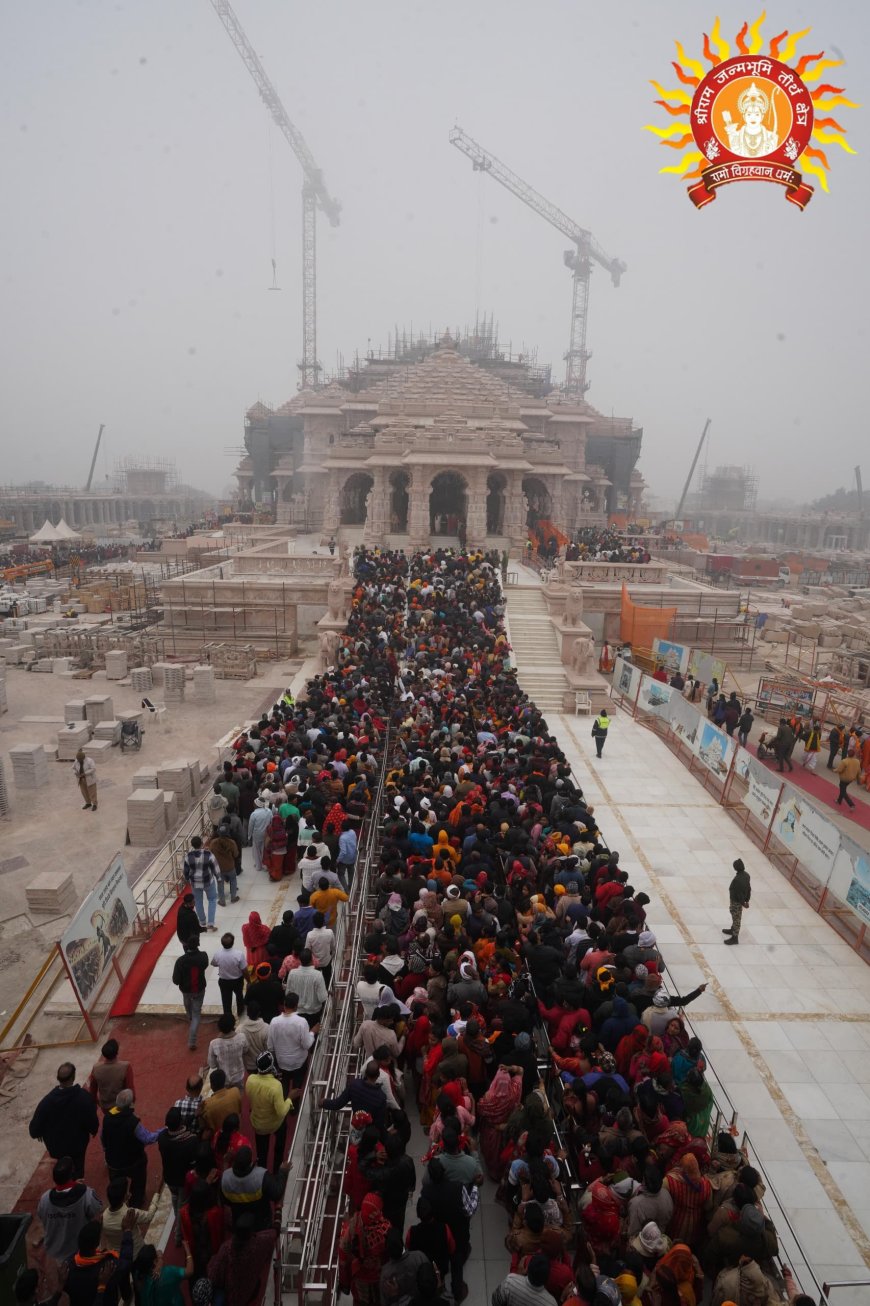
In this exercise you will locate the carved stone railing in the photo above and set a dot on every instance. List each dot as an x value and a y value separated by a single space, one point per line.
610 573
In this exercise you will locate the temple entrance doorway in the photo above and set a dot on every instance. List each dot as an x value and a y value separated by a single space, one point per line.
496 485
352 503
399 502
448 505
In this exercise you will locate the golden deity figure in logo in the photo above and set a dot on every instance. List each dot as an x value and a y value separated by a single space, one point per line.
754 138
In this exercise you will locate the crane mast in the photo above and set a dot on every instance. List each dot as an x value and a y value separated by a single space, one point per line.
314 192
579 259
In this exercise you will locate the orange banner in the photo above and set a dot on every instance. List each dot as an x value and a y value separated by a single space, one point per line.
639 626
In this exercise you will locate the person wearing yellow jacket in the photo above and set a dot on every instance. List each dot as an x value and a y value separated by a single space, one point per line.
269 1110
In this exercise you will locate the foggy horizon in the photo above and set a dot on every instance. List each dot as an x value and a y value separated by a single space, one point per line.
144 182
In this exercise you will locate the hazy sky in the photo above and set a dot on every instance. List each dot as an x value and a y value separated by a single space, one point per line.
135 233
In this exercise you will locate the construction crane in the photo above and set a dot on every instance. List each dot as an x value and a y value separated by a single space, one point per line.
96 451
678 514
579 259
314 192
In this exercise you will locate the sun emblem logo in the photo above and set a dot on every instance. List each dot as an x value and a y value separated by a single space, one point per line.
752 116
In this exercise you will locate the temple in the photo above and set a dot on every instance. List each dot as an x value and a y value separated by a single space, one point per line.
397 452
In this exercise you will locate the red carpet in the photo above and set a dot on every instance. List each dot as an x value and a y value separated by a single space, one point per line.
823 788
130 993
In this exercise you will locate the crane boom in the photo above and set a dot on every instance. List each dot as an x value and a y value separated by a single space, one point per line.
270 97
314 192
96 451
579 259
678 514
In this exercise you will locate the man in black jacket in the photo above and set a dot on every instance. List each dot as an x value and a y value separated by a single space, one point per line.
739 893
124 1139
187 925
99 1276
178 1147
66 1119
189 975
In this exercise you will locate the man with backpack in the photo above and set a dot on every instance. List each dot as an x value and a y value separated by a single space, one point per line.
189 976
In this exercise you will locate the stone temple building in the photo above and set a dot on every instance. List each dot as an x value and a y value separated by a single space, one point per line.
398 452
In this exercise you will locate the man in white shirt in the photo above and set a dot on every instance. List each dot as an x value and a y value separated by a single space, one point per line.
307 983
320 941
231 965
312 870
227 1052
290 1040
85 772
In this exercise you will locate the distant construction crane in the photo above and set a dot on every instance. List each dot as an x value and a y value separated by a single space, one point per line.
96 451
579 259
314 192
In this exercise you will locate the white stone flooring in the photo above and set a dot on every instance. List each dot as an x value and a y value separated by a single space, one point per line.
786 1018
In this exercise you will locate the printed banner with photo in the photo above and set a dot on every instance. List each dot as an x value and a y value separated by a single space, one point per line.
811 837
703 666
743 764
97 930
626 678
654 696
673 657
686 721
715 749
762 791
850 879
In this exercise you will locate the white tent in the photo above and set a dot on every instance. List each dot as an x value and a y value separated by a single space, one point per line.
47 534
64 532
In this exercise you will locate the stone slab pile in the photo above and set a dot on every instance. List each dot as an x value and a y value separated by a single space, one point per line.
141 680
75 735
116 664
29 766
146 818
51 893
204 684
173 683
99 707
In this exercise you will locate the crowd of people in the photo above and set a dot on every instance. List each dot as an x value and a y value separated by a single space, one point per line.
594 544
507 932
511 999
296 790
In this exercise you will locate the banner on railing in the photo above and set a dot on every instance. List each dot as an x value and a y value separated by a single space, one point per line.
762 790
807 834
673 657
715 749
626 678
703 666
685 721
97 931
850 878
655 697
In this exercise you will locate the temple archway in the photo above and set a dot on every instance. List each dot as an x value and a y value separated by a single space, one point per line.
540 502
400 483
496 484
448 504
352 502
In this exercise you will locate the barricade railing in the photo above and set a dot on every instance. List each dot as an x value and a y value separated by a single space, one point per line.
312 1212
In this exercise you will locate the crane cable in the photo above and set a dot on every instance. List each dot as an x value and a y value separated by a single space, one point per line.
479 244
273 248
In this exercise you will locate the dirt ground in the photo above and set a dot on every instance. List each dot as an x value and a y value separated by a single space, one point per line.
48 830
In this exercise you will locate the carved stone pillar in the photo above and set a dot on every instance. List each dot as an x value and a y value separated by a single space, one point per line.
378 516
514 510
475 523
418 507
331 505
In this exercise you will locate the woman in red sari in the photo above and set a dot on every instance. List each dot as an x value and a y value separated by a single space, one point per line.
629 1047
494 1108
361 1251
255 936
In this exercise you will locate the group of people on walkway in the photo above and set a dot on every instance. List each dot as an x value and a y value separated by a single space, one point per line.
512 997
310 766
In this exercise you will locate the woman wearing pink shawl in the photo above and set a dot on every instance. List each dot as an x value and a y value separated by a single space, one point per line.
496 1106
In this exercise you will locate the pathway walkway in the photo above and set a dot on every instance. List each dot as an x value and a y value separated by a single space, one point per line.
786 1017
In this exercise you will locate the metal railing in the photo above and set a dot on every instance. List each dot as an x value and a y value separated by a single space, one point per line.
312 1213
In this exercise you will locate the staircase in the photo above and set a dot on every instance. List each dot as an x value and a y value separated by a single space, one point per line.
536 649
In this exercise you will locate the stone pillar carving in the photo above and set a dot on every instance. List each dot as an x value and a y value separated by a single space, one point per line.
475 525
331 505
515 510
377 521
418 507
